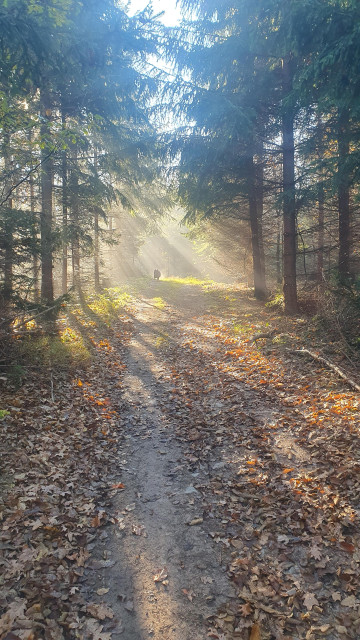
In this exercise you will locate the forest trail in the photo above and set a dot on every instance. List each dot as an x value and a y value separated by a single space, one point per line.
214 539
166 566
190 483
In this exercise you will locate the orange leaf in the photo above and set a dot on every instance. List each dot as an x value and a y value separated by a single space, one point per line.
246 609
288 470
255 632
119 485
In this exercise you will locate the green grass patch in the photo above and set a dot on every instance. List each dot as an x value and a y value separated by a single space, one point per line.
188 280
106 305
66 351
158 303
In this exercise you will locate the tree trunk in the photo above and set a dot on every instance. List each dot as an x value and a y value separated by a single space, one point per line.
64 178
35 257
321 234
256 236
278 253
75 231
289 203
34 230
321 212
8 227
47 287
344 196
96 238
260 206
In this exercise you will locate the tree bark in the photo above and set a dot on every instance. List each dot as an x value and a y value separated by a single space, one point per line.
260 209
321 236
65 195
75 240
289 203
278 253
256 234
321 214
96 238
47 287
343 196
8 227
34 230
35 257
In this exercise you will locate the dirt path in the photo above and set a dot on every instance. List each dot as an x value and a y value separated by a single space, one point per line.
187 484
232 522
168 577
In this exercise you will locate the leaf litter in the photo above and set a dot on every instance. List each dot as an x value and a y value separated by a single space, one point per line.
60 464
276 458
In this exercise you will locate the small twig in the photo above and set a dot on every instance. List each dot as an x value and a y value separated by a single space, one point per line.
327 363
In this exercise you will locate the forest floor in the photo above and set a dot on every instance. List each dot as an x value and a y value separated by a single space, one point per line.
189 483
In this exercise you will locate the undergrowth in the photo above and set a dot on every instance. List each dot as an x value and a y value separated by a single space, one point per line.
106 305
68 346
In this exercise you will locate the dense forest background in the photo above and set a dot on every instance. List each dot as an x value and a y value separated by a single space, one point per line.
247 116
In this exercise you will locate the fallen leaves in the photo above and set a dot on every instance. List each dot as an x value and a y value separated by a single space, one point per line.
99 611
60 460
276 465
118 485
255 632
310 601
161 575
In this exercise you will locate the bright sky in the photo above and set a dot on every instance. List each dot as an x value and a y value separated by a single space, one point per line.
171 16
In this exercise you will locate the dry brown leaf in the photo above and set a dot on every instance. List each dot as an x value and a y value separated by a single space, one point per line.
161 575
310 601
255 632
119 485
246 609
315 552
100 611
350 601
95 629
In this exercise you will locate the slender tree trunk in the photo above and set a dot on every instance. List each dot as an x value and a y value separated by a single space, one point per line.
65 195
8 227
256 238
321 235
35 257
47 287
260 210
75 243
34 230
289 203
344 196
96 238
278 253
321 213
75 222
